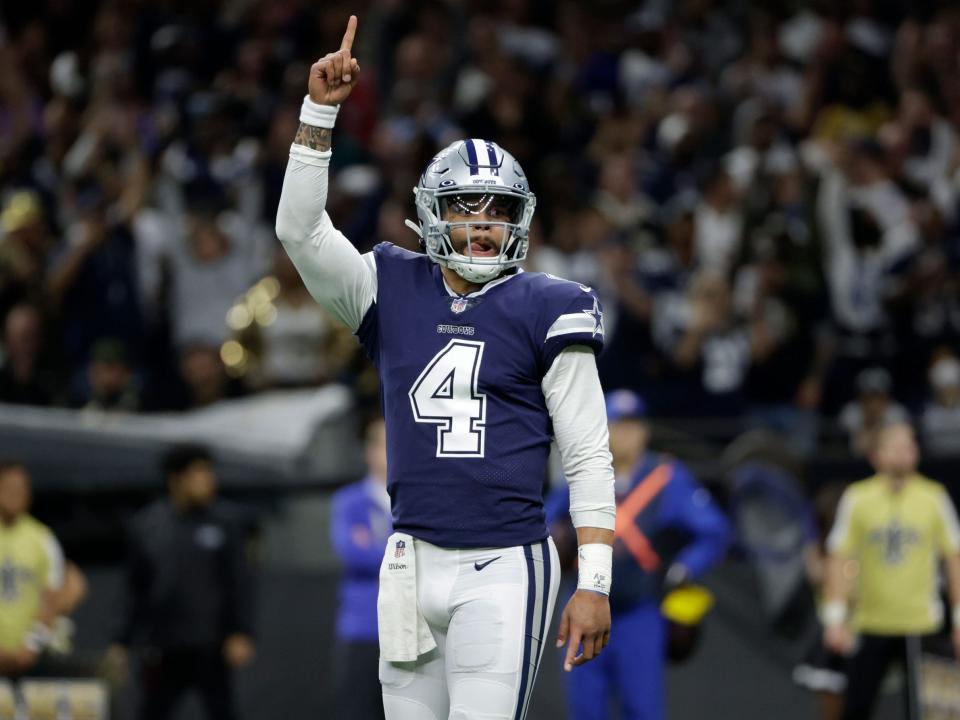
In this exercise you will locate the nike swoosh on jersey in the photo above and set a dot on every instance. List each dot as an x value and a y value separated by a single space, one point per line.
480 566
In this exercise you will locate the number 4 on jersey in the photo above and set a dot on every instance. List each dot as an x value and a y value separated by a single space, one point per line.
446 395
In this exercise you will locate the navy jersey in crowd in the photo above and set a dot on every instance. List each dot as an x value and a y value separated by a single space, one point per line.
468 431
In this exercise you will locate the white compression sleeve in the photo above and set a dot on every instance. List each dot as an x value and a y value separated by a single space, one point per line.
338 277
574 398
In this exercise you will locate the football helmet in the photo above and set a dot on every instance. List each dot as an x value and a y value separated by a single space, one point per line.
474 177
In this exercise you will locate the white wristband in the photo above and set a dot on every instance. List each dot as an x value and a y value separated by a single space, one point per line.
322 116
833 613
595 567
38 637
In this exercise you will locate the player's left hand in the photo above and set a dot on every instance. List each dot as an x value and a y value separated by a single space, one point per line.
585 621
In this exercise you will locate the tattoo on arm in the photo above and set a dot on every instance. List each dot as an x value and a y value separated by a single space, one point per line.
315 138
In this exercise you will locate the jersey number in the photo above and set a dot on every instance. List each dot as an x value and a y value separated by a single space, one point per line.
446 395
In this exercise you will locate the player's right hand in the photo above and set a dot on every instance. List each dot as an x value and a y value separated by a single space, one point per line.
333 76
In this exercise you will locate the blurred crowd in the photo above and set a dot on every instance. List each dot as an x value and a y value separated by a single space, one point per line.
764 194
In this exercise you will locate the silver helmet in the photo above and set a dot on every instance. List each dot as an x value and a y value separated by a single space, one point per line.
474 177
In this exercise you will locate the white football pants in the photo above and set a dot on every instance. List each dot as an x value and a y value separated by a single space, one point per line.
489 610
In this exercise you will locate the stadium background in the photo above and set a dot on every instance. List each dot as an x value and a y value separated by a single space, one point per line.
764 194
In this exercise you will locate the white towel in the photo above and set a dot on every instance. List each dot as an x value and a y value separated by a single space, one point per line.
404 633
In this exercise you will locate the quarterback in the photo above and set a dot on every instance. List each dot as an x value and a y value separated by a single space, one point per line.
481 366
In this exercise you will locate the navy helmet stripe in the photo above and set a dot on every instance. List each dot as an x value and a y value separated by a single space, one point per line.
492 156
527 632
471 157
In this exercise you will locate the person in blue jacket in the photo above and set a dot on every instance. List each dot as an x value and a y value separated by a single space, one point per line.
360 526
669 533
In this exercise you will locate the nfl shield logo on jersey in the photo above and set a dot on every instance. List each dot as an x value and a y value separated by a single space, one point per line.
459 305
400 549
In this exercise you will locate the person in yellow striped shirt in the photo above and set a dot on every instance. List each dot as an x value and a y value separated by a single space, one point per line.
31 572
890 532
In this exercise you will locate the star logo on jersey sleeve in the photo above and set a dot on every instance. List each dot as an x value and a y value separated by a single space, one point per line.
597 314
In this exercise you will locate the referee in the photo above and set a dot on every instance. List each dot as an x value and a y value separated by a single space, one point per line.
895 526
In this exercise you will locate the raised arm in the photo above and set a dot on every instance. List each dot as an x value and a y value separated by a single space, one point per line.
338 277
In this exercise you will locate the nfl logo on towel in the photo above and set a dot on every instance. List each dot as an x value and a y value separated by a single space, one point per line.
458 305
400 550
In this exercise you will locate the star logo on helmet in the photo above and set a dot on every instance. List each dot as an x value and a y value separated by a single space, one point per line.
597 314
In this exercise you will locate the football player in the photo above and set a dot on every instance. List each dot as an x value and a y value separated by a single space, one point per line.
481 365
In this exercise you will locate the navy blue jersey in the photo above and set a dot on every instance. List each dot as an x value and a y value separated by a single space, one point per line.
468 432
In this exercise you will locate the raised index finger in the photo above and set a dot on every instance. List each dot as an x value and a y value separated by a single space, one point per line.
348 35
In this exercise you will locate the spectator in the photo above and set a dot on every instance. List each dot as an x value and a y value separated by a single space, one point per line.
710 347
873 410
572 252
784 357
618 199
31 562
670 267
941 418
896 526
762 73
924 301
289 341
868 233
189 593
112 385
644 69
218 255
205 380
669 534
361 525
93 281
23 379
924 144
718 224
24 246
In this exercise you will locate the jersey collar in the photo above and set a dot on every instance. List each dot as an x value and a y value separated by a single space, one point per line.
887 482
476 293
